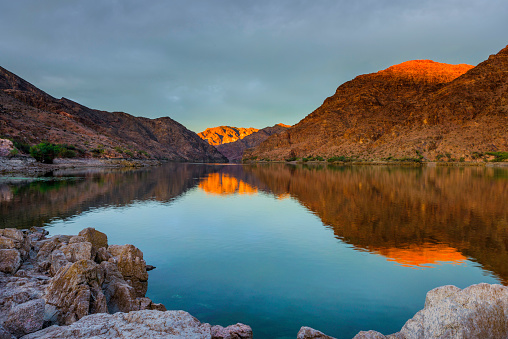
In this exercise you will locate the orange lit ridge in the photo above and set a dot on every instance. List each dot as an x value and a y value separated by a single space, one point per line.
223 184
418 256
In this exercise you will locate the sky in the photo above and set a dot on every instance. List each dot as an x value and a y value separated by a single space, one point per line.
232 62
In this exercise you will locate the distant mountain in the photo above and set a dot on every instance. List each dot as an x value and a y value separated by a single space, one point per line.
225 134
234 150
415 108
30 115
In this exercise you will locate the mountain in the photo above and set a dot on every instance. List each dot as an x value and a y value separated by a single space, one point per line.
29 115
415 108
234 150
225 134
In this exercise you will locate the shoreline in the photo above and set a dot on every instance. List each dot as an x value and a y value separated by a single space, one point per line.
79 286
24 165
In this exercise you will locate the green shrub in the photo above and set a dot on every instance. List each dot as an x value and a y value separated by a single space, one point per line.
13 152
499 156
462 159
45 152
21 146
119 149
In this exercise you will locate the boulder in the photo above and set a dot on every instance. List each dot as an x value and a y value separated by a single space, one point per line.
76 291
6 146
4 334
57 261
25 318
129 260
75 251
369 335
237 331
310 333
132 325
96 238
46 247
478 311
11 238
120 296
10 260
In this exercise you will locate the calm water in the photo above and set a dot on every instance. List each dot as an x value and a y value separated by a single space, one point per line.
340 249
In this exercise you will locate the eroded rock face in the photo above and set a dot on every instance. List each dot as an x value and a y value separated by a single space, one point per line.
310 333
129 260
76 291
135 325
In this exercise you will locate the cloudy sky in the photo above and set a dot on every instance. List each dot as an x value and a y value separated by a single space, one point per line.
232 62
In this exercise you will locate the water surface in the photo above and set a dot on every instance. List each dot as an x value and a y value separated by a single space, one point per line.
340 249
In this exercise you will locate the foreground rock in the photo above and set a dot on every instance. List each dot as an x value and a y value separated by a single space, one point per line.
65 286
478 311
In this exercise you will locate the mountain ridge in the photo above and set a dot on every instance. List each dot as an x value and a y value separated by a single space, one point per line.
416 108
31 115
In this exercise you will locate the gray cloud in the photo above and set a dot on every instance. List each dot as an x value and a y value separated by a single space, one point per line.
242 63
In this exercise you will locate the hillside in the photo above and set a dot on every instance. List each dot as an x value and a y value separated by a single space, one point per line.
225 134
29 115
415 108
234 150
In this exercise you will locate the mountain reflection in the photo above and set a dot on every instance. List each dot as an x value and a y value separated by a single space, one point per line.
70 193
224 184
413 216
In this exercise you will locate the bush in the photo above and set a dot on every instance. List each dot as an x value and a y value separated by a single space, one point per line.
45 152
499 156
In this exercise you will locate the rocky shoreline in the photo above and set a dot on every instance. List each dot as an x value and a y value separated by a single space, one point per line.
25 165
80 287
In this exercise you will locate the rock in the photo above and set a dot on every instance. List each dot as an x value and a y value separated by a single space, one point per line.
150 267
120 296
129 260
4 334
96 238
132 325
75 251
12 233
6 146
10 260
310 333
478 311
237 331
58 260
369 335
103 255
12 238
25 318
76 291
47 246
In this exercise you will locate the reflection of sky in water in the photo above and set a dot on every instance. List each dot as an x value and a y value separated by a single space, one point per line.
270 263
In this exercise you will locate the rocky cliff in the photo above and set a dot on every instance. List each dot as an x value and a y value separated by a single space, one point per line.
415 108
234 150
30 115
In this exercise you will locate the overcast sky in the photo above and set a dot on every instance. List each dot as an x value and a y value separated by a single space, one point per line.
232 62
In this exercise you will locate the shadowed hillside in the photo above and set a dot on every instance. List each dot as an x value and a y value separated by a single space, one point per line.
30 115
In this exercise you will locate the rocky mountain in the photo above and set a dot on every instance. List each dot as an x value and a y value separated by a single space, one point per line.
29 115
417 108
234 150
225 134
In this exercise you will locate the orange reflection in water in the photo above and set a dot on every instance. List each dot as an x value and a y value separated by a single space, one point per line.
421 256
224 184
